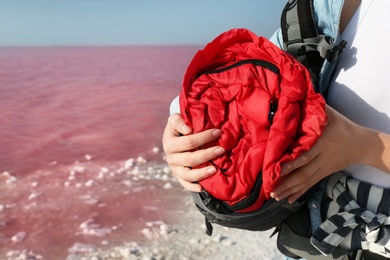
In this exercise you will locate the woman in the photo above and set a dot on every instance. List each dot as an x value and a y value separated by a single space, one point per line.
357 137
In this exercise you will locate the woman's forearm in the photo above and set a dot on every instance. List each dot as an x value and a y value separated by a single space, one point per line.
377 151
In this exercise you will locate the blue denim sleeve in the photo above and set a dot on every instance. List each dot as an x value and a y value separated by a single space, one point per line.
277 38
327 16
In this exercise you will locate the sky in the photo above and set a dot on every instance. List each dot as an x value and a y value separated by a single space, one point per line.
131 22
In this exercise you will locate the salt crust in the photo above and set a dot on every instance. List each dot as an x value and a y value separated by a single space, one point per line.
182 240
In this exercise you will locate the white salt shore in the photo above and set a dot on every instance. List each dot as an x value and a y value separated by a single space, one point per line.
166 225
185 240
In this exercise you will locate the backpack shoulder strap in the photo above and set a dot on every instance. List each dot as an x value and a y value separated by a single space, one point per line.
302 40
297 21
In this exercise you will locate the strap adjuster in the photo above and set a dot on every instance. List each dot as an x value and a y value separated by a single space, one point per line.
332 54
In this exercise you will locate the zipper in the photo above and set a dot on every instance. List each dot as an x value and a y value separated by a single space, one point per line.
252 197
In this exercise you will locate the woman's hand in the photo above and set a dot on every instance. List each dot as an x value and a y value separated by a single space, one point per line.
342 144
179 146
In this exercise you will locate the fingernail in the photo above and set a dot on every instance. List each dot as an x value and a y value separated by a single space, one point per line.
211 170
185 129
217 133
274 195
219 151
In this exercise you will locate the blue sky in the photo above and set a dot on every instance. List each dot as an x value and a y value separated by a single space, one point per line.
131 22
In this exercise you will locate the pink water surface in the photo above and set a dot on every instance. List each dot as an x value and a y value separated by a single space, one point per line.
70 118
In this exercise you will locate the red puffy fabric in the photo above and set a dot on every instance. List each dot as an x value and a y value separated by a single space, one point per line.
238 100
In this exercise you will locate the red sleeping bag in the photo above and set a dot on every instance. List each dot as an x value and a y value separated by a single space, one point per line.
264 102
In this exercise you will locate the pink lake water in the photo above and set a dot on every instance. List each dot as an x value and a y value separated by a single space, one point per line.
81 159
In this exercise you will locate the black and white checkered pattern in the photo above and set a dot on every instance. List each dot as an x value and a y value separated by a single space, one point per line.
357 217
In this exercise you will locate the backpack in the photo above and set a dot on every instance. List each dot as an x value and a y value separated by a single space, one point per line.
250 207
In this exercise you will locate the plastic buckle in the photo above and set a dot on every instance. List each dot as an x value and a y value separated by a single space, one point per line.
332 54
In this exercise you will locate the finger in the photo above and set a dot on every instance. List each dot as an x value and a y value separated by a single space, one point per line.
177 125
173 129
194 187
296 195
194 175
302 160
195 158
302 177
190 142
294 192
293 197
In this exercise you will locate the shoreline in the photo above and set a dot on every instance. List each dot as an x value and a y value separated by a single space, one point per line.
133 209
186 239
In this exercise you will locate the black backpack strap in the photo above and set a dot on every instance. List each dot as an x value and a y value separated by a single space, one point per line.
297 22
302 40
271 214
295 246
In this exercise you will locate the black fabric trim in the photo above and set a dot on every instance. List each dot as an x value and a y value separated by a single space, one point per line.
263 63
252 197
